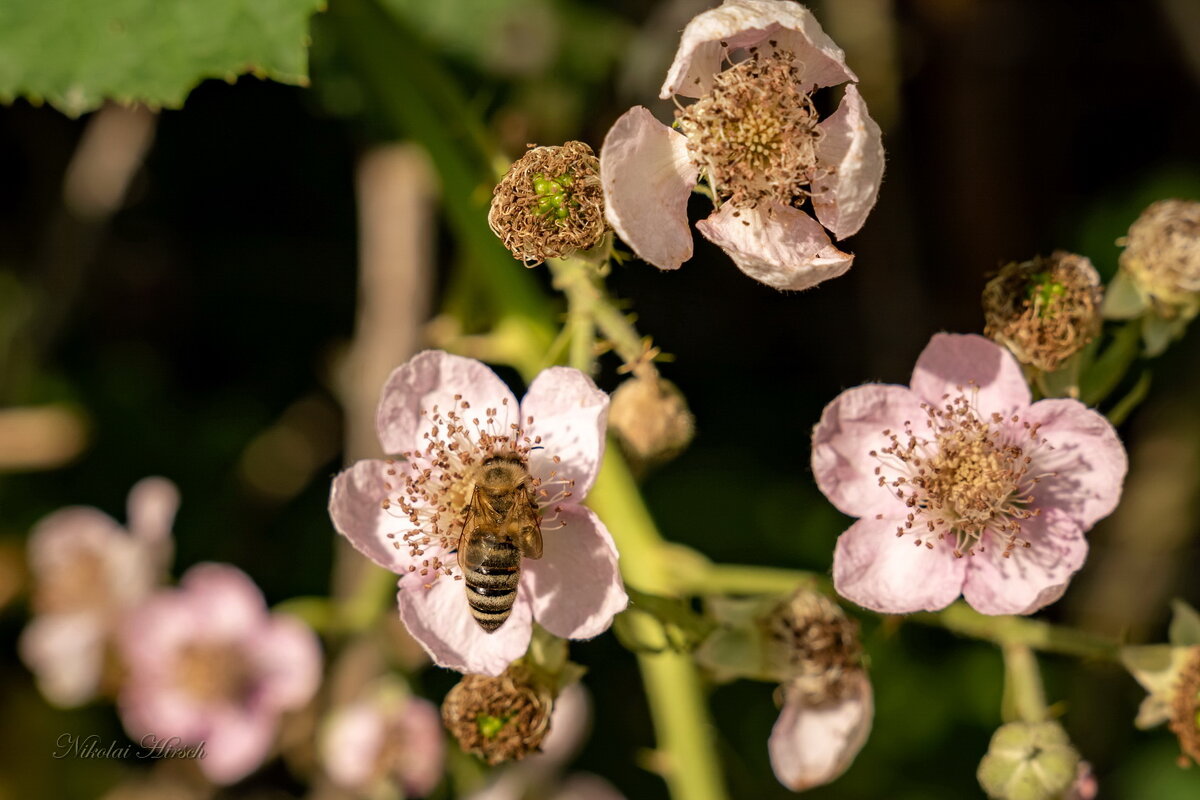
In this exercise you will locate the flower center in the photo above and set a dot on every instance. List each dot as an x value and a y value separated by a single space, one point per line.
499 719
79 584
818 643
433 490
972 476
755 134
1185 710
213 673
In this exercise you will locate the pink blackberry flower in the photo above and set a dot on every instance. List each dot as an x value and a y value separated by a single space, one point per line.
445 416
207 663
962 485
88 572
754 135
815 740
385 738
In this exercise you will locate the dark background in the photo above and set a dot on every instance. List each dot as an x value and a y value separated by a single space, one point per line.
217 296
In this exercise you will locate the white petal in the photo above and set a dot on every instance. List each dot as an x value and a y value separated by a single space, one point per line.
66 654
776 244
647 177
152 506
438 618
813 745
570 415
852 149
740 24
356 508
433 379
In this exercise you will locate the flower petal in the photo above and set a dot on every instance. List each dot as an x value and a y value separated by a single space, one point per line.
65 652
225 602
438 618
236 745
570 415
850 428
350 743
647 177
879 570
1029 578
288 656
776 244
951 360
852 149
1087 458
575 586
813 745
430 379
356 507
740 24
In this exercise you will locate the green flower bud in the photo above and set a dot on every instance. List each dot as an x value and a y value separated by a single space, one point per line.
1028 761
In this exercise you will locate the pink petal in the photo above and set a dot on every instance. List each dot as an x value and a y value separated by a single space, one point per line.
1029 578
850 428
351 743
647 177
1087 456
575 586
425 759
356 507
65 652
430 379
152 506
813 745
287 656
236 745
570 415
225 602
742 24
586 786
439 619
776 244
953 360
852 149
879 570
570 723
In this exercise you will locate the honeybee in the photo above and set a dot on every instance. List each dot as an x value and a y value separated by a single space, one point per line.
503 523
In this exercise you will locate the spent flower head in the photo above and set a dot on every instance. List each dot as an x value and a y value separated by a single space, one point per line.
500 718
755 136
445 416
549 204
88 573
1044 310
962 485
208 663
1170 673
651 419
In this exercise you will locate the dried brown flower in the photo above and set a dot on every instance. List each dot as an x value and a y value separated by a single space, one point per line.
818 643
499 719
1162 253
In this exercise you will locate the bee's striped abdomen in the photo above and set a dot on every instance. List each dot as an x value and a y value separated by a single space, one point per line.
492 587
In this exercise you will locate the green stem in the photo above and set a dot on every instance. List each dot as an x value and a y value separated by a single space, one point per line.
694 575
1024 695
689 762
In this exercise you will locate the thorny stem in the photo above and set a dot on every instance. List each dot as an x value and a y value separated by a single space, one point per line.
697 576
686 737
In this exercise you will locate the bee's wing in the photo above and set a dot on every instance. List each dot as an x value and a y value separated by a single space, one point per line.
470 554
526 524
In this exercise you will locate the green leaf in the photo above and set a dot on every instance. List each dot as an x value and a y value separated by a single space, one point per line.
75 54
1185 625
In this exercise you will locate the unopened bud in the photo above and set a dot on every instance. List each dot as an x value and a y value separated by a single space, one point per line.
1162 256
499 719
813 644
550 203
651 418
1028 761
1044 310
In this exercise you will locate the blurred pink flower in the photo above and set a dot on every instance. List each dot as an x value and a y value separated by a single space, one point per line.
445 414
207 663
814 743
87 572
540 775
386 738
962 485
1085 787
756 138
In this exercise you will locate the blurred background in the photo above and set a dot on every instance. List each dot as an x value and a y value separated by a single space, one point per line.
179 292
